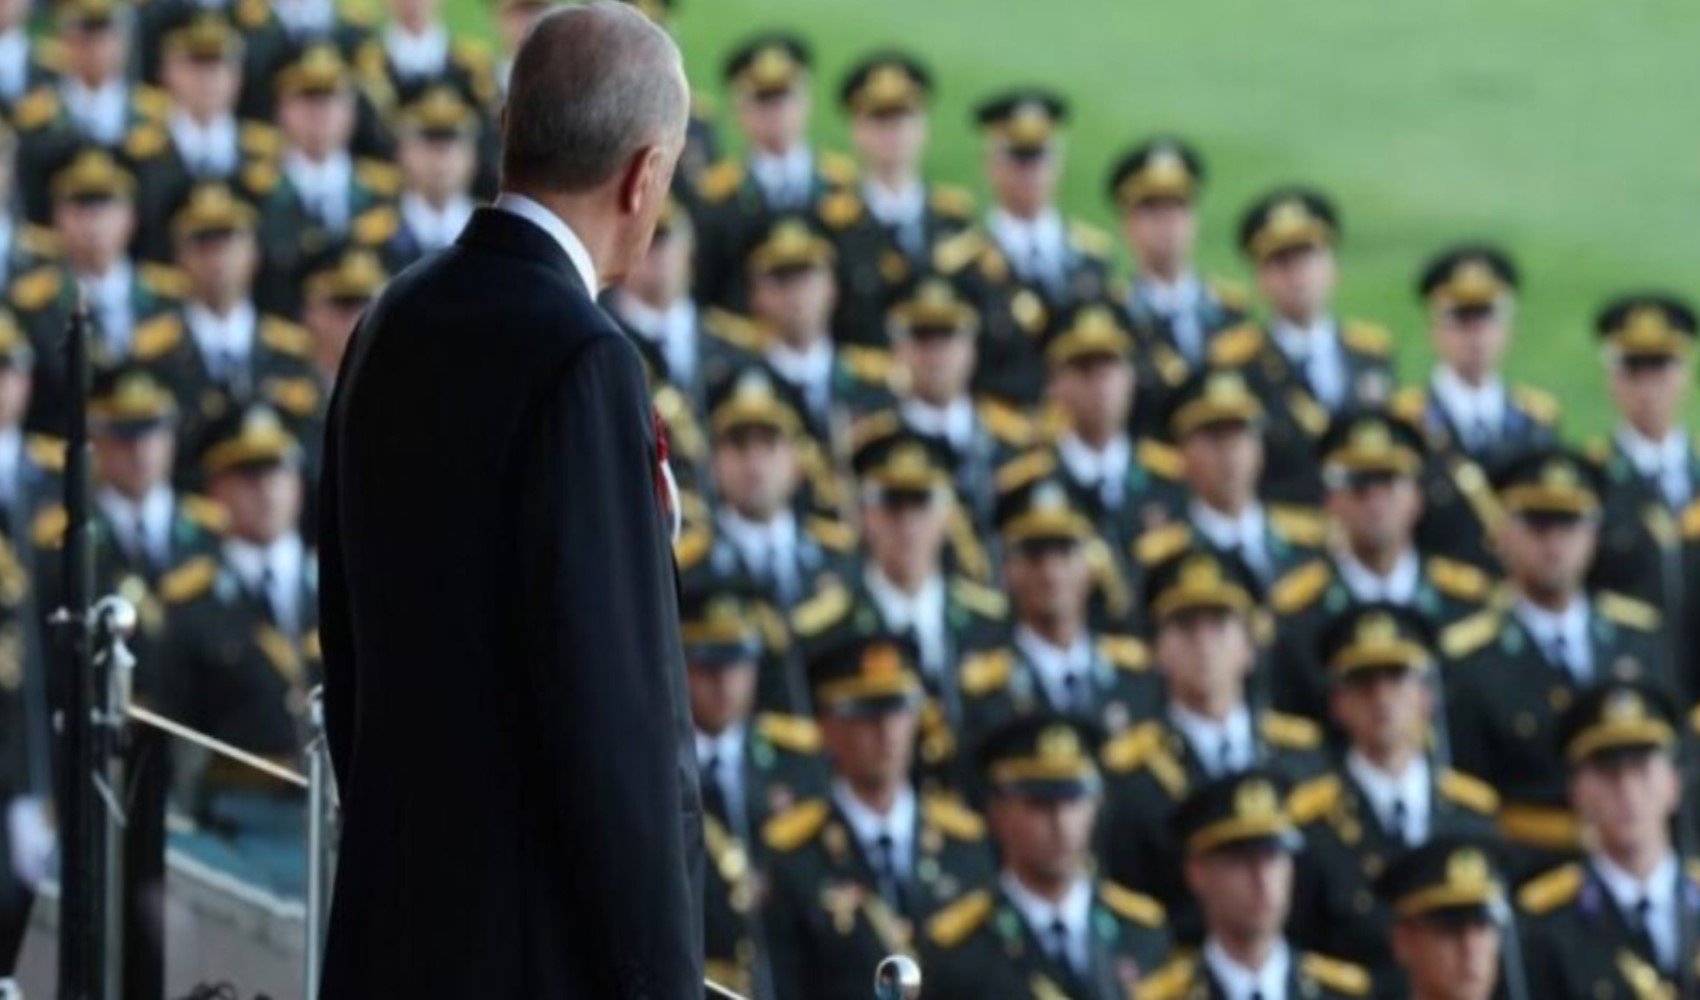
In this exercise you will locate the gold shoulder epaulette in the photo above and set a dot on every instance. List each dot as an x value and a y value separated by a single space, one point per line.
837 169
1627 611
39 240
1314 799
1236 346
1302 525
794 827
188 581
1341 977
382 179
47 529
1368 338
145 141
163 280
1459 580
835 535
954 818
718 182
35 289
1471 793
739 331
1300 587
285 337
1024 469
1541 406
471 53
1231 294
1408 404
1158 544
1171 981
1597 450
954 253
297 395
36 109
1290 732
1161 459
866 364
952 925
1125 652
1129 749
839 209
47 451
1090 240
773 627
952 202
260 139
1551 890
158 336
985 672
261 177
1135 907
204 512
1006 423
1691 521
979 598
152 102
692 546
789 732
358 12
252 13
375 226
815 615
1470 634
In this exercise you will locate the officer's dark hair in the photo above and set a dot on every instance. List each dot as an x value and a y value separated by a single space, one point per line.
591 86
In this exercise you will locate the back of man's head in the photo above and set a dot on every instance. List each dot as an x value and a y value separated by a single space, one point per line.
591 86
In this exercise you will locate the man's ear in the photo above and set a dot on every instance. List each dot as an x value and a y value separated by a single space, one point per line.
638 183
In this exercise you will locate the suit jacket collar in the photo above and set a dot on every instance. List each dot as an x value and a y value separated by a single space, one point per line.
506 233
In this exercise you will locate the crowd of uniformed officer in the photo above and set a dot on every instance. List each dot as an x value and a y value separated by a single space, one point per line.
1083 630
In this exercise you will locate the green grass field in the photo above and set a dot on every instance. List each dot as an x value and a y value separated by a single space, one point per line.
1562 128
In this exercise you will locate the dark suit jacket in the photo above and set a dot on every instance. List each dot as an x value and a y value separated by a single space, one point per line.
504 691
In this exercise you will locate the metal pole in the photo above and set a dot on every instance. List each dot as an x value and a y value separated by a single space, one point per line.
318 846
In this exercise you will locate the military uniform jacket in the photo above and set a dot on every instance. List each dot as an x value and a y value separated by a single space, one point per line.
1220 306
164 177
999 433
1148 771
36 510
47 135
982 948
1307 597
31 247
874 258
825 920
1014 312
1312 977
1335 909
1458 502
1292 537
270 46
1640 536
290 233
822 556
1579 944
1295 418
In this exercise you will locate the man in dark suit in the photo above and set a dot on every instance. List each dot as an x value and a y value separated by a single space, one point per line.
500 623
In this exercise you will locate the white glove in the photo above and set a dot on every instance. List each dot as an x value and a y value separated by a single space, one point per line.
34 841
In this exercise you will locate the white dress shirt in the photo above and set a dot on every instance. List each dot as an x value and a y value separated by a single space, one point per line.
1572 625
323 185
867 826
8 232
113 306
1224 746
1035 247
435 228
275 570
1105 469
11 464
1247 534
727 751
1315 350
672 330
100 113
1241 983
210 149
808 370
1658 891
226 342
921 613
785 179
1177 303
14 64
1477 411
1401 801
1665 463
306 17
144 528
422 55
556 227
1065 674
1399 586
1073 912
954 422
902 210
767 549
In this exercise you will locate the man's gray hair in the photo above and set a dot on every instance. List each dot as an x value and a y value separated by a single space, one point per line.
591 86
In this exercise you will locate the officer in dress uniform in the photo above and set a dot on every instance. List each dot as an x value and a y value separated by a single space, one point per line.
1446 898
1155 186
24 246
1237 851
1514 668
94 215
1470 416
887 226
437 151
279 31
1651 464
1618 924
752 766
1026 260
855 875
1048 927
1371 464
654 306
416 52
1052 657
1305 363
320 193
770 81
337 289
1202 610
218 352
1387 795
1220 429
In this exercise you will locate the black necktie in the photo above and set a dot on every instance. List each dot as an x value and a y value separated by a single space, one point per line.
885 863
1059 943
713 792
1641 928
1401 822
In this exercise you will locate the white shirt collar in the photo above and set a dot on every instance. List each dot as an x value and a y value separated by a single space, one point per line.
14 62
1224 531
954 421
330 175
1074 910
1240 983
1206 736
424 54
1169 298
790 169
753 537
435 227
556 227
1091 465
215 140
895 208
231 335
809 367
1654 457
1410 789
1019 238
11 460
672 329
154 511
1300 342
727 748
867 825
1469 405
1054 664
284 557
921 612
306 16
1399 586
99 111
1572 623
1659 890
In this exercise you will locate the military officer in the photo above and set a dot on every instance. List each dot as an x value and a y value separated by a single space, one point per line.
30 464
1515 667
1305 362
1219 427
1026 260
1446 898
337 289
320 193
654 304
202 139
1202 610
24 246
1155 186
769 77
1470 416
1619 923
420 53
278 33
1371 463
886 227
1388 794
752 766
1237 858
1047 928
1652 465
854 875
94 215
437 151
219 352
1053 658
